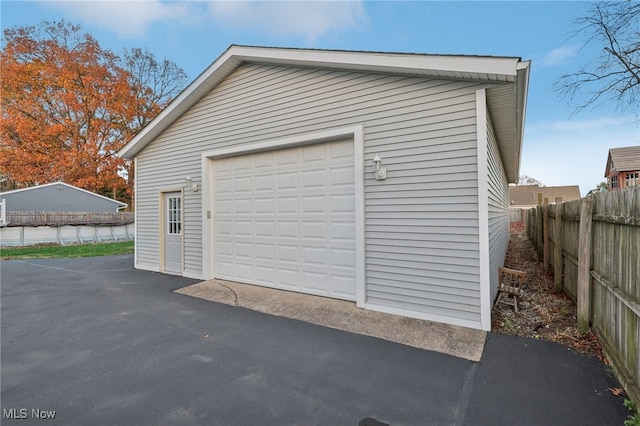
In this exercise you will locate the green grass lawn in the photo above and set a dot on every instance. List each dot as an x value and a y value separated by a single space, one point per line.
77 250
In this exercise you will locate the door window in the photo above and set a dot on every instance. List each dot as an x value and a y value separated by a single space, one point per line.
174 214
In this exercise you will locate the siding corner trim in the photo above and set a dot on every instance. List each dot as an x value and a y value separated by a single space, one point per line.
483 211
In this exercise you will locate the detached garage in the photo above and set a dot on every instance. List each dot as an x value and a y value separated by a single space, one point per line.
379 178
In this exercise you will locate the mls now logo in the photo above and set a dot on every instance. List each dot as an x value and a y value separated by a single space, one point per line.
23 413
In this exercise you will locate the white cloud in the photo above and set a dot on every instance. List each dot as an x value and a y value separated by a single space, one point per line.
124 18
307 19
558 56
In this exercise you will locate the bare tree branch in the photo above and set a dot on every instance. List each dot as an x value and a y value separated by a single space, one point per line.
614 75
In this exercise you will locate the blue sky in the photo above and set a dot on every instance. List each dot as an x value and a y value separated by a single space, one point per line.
561 147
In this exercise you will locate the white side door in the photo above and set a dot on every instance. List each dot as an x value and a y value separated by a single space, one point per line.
173 232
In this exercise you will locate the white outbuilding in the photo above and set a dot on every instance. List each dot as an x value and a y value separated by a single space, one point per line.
379 178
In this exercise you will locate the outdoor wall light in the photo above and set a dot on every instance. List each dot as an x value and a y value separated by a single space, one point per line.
380 172
190 184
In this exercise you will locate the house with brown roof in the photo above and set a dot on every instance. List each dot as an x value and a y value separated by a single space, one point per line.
623 167
526 196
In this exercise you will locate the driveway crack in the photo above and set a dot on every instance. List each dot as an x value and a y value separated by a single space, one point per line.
236 302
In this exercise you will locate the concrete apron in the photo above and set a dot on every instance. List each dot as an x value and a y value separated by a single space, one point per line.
453 340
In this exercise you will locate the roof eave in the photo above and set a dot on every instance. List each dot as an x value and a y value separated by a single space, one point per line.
472 67
522 88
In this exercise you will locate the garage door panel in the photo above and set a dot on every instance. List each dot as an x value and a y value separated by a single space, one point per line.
225 248
287 181
224 186
314 204
244 184
243 206
243 228
263 206
242 163
341 286
315 256
244 271
342 203
223 207
314 179
243 250
224 267
265 229
263 160
288 254
265 252
287 205
343 257
263 183
343 231
289 216
288 230
265 275
224 229
342 177
315 282
289 278
315 230
287 156
341 150
313 153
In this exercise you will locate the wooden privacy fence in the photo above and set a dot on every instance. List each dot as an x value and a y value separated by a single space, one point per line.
592 247
68 218
517 214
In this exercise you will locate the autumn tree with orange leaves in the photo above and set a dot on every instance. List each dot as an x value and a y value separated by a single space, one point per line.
68 106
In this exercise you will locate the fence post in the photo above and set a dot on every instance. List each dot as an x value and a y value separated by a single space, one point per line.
539 225
557 249
584 266
545 233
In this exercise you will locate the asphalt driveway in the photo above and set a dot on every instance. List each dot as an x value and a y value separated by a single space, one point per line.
98 342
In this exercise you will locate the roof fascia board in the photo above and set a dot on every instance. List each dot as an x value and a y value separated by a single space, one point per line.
522 89
380 62
392 61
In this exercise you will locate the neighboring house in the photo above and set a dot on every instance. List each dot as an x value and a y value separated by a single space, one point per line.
526 196
623 167
286 152
59 197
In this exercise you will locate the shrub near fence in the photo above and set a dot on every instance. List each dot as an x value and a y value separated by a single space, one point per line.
593 247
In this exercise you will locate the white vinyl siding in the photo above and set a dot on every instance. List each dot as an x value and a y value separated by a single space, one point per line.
498 203
421 224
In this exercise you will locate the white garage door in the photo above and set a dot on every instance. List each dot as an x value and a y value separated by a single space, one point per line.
286 219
